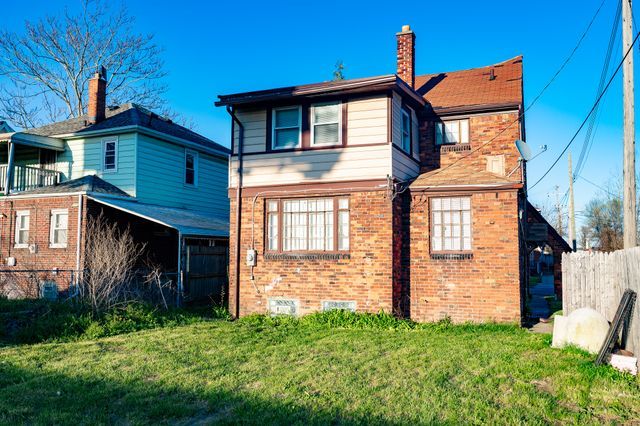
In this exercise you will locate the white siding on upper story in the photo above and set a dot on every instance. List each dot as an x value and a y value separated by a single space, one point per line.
255 131
326 165
161 177
367 121
83 157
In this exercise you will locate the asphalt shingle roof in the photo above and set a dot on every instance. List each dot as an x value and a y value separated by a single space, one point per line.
473 87
90 183
458 175
129 114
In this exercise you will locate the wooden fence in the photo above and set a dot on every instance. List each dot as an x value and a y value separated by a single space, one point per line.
597 280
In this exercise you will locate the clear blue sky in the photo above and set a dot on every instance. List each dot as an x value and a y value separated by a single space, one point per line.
216 48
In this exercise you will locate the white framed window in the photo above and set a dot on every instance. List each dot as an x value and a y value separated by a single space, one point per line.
287 129
110 154
326 124
452 132
22 229
451 224
190 167
58 228
310 224
406 131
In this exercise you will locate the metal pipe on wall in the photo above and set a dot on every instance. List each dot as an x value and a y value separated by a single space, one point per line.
238 206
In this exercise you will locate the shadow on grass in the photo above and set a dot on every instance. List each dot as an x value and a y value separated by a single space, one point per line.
36 396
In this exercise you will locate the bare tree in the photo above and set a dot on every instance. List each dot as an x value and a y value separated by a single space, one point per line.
110 257
46 69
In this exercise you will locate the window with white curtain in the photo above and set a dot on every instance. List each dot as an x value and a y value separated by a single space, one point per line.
326 124
58 228
451 224
452 132
311 224
22 229
286 127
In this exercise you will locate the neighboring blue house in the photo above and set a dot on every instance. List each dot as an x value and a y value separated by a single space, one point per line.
128 163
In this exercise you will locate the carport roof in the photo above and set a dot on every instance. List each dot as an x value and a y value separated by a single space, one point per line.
187 222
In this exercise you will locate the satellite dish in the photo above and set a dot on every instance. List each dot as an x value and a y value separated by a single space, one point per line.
524 150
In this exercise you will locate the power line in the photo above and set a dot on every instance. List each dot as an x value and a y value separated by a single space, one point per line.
542 91
590 112
599 187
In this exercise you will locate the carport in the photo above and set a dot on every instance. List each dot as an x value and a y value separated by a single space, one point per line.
201 247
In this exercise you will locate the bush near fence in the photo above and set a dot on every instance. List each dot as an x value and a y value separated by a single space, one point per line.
598 280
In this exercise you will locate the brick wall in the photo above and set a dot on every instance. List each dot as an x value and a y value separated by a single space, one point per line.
45 257
482 128
366 277
486 287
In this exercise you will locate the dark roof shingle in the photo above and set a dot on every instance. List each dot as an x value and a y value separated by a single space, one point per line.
126 115
90 183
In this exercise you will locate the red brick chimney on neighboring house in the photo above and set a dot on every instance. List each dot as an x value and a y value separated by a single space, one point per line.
407 55
97 96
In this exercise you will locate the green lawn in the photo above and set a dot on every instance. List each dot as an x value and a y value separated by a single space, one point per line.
255 372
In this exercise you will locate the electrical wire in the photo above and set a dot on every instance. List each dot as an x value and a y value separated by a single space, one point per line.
542 91
635 39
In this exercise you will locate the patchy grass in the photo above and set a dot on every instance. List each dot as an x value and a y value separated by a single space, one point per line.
555 305
337 368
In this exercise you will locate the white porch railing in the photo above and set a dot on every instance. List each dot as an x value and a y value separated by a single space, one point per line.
28 177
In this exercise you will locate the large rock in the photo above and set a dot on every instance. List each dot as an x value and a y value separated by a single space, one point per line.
587 329
559 331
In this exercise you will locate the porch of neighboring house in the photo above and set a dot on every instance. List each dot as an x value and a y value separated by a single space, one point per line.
191 248
28 162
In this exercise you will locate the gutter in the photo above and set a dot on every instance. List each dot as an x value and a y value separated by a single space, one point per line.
238 207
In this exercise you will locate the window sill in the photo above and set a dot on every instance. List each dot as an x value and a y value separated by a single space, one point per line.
306 256
57 246
458 147
452 256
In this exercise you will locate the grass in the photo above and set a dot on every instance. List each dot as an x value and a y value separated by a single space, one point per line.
337 368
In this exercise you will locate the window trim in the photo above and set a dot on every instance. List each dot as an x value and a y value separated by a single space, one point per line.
52 230
443 133
16 233
113 139
312 124
280 212
274 111
432 250
405 112
196 165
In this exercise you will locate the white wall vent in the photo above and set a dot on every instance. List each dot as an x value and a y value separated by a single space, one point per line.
283 306
330 305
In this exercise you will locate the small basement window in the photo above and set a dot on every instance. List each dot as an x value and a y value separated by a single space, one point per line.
283 307
331 305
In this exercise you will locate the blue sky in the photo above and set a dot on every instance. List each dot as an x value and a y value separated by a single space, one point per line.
213 48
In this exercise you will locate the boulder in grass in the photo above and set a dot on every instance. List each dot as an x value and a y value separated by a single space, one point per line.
587 329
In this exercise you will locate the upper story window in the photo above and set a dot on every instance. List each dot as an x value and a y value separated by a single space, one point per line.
406 131
190 167
22 229
110 154
286 127
451 224
326 124
58 228
452 132
308 225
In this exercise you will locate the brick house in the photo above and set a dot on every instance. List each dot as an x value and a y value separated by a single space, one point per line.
403 193
164 182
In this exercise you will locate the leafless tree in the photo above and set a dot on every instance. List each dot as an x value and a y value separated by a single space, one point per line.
111 255
46 69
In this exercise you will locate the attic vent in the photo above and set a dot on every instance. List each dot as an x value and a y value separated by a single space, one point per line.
492 74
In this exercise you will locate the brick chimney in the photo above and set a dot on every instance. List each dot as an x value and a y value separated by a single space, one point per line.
407 55
97 96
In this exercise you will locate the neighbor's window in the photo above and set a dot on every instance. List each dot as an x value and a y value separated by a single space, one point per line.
452 131
326 124
22 229
58 228
190 167
406 131
451 224
313 224
286 127
110 154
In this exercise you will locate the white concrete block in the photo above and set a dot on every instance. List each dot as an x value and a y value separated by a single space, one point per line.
559 331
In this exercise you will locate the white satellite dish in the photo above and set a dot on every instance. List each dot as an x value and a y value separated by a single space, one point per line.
524 150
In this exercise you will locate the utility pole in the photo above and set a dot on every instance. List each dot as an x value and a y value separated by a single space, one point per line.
572 213
559 224
629 142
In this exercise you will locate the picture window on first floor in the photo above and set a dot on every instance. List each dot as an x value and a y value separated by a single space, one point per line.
451 224
308 225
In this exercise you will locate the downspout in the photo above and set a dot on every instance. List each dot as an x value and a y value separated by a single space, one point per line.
79 236
238 207
9 178
179 277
